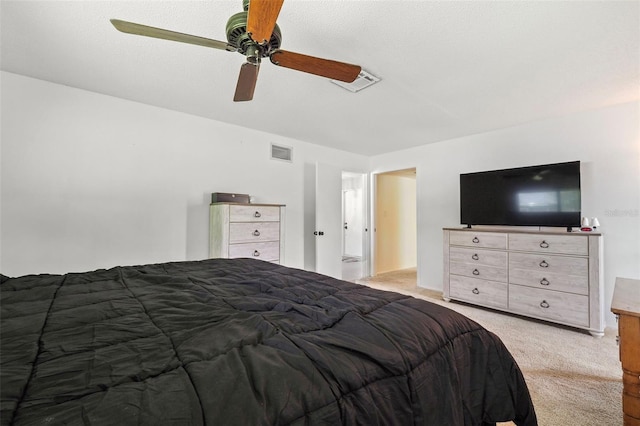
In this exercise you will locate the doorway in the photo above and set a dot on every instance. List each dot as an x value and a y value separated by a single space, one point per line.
325 239
395 243
354 229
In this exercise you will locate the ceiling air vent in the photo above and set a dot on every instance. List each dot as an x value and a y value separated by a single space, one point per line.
363 80
279 152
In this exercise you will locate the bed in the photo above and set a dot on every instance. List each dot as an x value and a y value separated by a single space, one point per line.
243 342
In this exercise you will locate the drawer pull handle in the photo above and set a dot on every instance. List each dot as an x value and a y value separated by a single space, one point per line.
475 240
475 291
257 214
544 281
256 233
256 253
475 257
476 272
544 264
544 244
544 304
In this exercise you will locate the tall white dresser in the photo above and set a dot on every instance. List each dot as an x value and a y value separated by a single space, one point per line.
553 276
247 230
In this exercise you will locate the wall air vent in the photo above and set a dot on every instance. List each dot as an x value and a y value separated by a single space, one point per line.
279 152
363 80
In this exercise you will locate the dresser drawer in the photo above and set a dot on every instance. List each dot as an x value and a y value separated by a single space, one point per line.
244 232
567 308
545 264
254 213
478 239
631 398
629 331
627 420
493 273
264 251
478 291
478 257
631 383
544 243
578 284
631 406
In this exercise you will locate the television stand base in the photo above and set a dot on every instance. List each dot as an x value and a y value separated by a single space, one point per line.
508 269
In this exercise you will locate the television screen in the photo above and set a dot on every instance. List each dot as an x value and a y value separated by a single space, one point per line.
545 195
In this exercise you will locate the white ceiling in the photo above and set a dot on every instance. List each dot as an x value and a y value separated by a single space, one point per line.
448 68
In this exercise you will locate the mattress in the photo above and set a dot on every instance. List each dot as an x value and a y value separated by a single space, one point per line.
243 342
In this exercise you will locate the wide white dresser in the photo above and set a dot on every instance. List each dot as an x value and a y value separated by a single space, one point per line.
552 276
247 230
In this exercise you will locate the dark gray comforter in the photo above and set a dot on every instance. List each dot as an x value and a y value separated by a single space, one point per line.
243 342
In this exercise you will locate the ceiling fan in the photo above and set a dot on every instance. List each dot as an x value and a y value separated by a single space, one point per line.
255 34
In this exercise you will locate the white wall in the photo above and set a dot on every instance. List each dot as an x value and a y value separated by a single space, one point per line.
606 141
91 181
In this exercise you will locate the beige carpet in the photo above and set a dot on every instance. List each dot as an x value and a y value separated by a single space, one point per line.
573 378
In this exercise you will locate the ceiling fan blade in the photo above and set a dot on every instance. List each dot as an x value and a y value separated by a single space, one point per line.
323 67
246 82
262 19
143 30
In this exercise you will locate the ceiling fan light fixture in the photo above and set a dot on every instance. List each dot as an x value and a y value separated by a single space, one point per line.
364 80
254 34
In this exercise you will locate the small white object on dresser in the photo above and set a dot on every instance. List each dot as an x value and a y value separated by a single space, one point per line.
547 275
247 230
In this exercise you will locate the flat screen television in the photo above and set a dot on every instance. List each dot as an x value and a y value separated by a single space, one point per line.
545 195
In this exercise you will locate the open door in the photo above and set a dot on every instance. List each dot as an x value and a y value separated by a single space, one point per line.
328 229
355 231
352 207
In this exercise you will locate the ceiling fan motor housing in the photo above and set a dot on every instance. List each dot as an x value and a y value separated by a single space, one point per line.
237 36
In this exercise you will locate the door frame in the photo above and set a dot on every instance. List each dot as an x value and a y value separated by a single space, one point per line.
373 198
365 235
312 198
